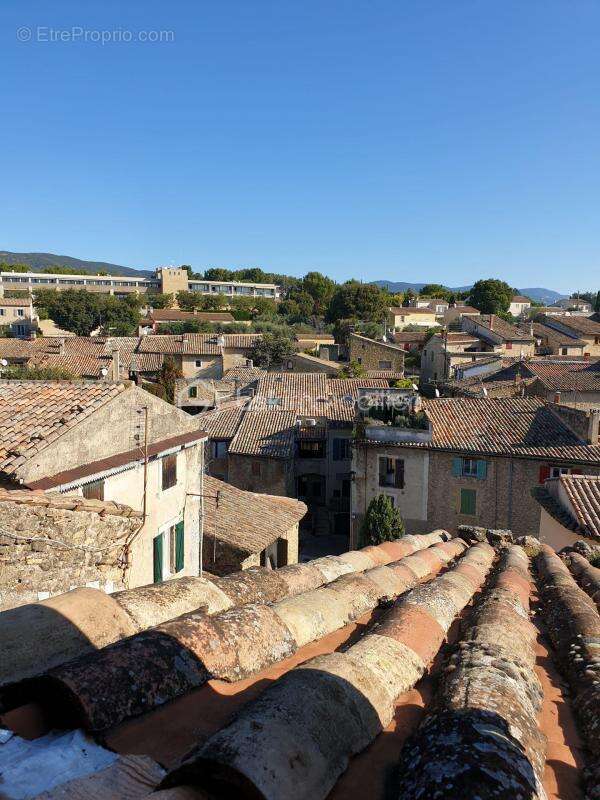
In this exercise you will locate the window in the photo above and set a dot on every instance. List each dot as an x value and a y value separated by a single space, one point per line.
20 312
391 472
342 449
359 360
385 365
468 501
220 449
169 471
2 312
282 552
199 362
509 345
564 351
256 468
193 391
556 472
469 468
93 490
311 449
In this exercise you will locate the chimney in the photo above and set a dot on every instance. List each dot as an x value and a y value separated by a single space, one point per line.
61 346
586 356
557 398
116 364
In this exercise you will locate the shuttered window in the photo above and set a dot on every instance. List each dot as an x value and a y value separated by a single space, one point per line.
468 500
169 471
179 547
93 490
157 554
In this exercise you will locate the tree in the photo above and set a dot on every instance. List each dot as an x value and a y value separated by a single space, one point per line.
188 301
158 300
352 370
75 310
597 302
118 317
272 350
320 288
491 296
435 290
218 274
297 307
382 522
364 301
38 374
168 374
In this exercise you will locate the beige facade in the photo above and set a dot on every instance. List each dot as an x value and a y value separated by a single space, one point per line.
400 318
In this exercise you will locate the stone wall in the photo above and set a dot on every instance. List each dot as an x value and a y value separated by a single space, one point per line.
370 353
276 475
45 551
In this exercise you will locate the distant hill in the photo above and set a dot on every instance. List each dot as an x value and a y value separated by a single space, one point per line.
41 261
540 295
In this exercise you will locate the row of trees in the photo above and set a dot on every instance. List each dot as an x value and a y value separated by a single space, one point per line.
81 312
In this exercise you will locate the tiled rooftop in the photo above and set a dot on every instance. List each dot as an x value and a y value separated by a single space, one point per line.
554 337
504 329
567 376
15 302
581 326
245 521
416 670
268 433
195 343
222 423
583 493
35 413
67 502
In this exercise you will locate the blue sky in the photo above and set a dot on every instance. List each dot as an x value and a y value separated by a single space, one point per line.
442 141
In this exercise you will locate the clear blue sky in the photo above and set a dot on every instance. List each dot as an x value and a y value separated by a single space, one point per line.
418 140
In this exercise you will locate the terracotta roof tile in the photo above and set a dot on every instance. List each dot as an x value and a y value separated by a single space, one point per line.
195 343
222 423
33 413
583 492
268 433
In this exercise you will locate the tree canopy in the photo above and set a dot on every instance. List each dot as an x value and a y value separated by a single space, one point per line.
363 301
491 296
382 523
272 350
81 312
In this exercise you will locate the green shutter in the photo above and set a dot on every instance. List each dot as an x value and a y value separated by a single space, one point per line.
467 501
158 558
457 466
482 469
179 547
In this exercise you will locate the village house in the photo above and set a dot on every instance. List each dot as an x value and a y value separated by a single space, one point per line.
400 317
444 353
204 354
569 510
198 394
497 334
411 341
110 442
292 439
160 317
435 304
372 355
313 341
519 306
573 304
305 362
18 315
549 341
579 328
455 312
471 461
243 529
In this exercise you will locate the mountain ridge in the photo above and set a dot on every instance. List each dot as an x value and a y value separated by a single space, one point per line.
40 261
537 293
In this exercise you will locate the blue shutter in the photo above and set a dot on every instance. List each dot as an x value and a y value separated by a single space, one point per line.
457 466
482 470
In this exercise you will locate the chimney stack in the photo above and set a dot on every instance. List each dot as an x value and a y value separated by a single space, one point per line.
61 346
586 356
116 364
557 398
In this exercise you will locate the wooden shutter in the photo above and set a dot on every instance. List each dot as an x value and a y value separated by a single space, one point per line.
169 471
158 558
467 501
179 547
481 469
399 474
457 463
544 473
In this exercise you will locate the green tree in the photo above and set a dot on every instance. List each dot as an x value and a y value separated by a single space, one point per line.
169 373
218 274
76 310
597 302
158 300
272 350
491 296
188 301
435 290
352 370
297 307
363 301
118 317
320 288
4 267
382 522
38 374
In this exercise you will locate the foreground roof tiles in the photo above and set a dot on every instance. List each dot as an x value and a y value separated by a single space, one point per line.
66 502
35 413
583 493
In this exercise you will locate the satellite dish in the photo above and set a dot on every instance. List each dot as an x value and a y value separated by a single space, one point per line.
221 341
415 387
437 392
104 372
3 362
484 391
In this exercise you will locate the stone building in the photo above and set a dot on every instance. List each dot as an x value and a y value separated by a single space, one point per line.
51 543
243 529
111 441
475 462
498 335
579 328
372 355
